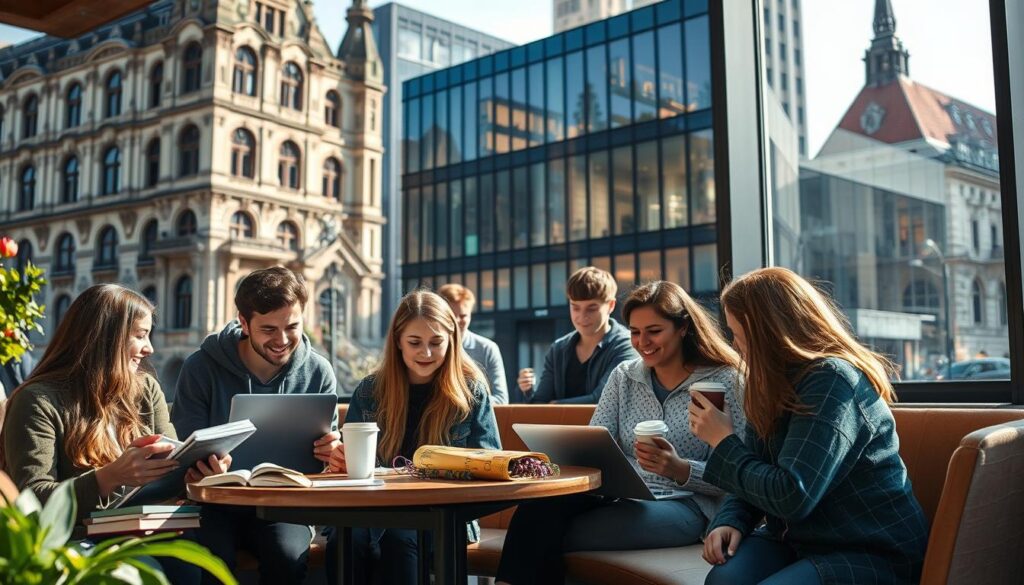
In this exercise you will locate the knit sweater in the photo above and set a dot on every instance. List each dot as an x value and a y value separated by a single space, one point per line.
629 398
36 423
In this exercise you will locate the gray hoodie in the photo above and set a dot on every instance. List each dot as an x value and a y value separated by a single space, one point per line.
215 373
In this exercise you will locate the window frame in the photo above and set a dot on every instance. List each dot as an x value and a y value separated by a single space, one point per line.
191 68
113 92
73 106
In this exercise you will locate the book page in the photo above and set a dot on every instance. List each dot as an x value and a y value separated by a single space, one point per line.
237 476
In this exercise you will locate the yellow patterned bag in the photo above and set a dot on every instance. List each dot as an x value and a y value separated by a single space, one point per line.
436 461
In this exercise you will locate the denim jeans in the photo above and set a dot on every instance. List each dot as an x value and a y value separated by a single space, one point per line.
762 561
381 556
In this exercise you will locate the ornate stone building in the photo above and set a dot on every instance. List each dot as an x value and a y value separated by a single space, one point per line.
181 147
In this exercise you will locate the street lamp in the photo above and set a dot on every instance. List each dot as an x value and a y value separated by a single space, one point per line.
930 243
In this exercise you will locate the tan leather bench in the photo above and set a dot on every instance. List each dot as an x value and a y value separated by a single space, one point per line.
976 508
966 466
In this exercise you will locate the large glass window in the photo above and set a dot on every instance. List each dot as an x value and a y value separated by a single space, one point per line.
472 236
671 98
106 249
485 116
622 173
442 132
411 150
539 285
487 213
470 117
521 283
647 200
538 205
69 187
288 165
620 83
149 236
441 215
457 221
597 165
30 116
427 231
673 177
153 162
502 114
112 95
156 83
412 226
503 208
186 224
241 226
244 78
504 289
698 64
535 105
410 42
183 303
555 100
428 132
65 262
576 95
644 77
27 189
291 86
520 208
455 141
556 201
596 101
243 153
110 179
288 236
518 110
73 112
702 177
188 151
192 64
577 197
332 109
331 184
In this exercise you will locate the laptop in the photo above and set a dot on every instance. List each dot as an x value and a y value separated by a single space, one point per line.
593 446
286 427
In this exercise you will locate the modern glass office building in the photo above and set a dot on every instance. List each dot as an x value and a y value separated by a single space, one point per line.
590 147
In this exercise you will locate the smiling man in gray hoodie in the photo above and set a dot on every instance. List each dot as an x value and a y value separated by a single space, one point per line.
263 352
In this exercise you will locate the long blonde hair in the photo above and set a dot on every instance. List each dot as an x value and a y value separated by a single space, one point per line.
789 324
703 343
88 355
452 399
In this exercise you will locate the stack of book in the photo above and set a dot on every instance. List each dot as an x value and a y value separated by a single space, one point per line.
142 520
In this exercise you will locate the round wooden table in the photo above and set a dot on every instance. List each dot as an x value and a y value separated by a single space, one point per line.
435 505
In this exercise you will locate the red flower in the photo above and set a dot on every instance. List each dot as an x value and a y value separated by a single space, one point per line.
8 248
8 332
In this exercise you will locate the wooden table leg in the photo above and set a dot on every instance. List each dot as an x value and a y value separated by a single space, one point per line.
449 548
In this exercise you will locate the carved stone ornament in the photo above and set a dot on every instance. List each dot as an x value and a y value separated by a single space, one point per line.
84 225
42 236
128 220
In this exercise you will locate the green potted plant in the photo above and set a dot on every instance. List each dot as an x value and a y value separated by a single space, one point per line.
34 548
19 313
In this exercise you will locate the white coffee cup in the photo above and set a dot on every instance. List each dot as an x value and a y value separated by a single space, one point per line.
646 431
360 441
713 391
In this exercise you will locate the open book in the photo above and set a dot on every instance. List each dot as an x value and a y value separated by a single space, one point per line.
263 475
218 440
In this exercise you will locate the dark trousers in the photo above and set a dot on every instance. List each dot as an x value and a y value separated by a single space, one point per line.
542 530
282 549
763 561
381 556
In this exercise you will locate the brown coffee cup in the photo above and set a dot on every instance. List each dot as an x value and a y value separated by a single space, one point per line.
712 391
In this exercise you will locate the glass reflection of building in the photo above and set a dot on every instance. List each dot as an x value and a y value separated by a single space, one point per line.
861 242
590 147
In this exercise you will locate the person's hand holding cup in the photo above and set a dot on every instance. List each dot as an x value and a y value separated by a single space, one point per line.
709 421
358 451
526 380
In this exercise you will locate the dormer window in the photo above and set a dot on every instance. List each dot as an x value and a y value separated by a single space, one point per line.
954 111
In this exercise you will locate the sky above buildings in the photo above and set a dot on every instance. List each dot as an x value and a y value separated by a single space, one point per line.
948 40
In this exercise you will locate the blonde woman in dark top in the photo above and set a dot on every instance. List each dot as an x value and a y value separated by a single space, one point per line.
88 415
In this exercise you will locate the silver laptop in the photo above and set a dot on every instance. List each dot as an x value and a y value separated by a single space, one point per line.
286 426
593 446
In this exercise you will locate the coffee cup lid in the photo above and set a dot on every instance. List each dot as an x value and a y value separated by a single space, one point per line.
360 426
708 386
651 427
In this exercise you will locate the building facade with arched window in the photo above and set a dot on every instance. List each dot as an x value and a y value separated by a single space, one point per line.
158 160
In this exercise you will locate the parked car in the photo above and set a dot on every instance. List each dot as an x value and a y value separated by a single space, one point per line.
990 368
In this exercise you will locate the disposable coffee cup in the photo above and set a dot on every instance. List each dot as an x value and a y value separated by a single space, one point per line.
360 441
713 391
646 431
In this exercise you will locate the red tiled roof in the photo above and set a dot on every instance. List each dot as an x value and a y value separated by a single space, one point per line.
914 111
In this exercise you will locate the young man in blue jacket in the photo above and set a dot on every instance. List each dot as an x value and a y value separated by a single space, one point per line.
577 365
263 352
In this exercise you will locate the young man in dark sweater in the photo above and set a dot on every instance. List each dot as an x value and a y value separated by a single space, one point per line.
577 365
263 352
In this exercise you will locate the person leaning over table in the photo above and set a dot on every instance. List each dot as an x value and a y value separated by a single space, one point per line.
820 462
679 345
88 415
577 365
263 352
423 393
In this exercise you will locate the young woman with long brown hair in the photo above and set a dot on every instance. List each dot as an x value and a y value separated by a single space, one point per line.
426 391
679 344
88 414
821 459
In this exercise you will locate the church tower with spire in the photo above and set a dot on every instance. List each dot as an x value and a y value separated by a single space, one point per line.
886 60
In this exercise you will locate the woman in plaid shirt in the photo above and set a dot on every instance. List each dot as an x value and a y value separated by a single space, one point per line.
819 493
